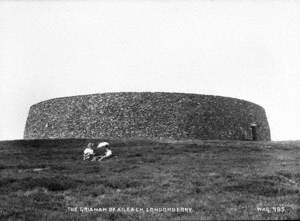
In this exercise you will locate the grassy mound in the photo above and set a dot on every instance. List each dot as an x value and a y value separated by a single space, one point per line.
47 179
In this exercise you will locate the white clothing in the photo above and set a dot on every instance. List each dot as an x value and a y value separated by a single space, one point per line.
88 151
108 153
102 144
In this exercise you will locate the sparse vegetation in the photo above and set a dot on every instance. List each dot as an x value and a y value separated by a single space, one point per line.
43 179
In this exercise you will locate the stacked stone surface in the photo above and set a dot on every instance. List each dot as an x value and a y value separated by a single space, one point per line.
146 115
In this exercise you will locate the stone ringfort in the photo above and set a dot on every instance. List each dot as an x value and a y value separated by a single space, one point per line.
146 115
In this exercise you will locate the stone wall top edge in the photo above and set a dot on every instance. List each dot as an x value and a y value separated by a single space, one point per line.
146 92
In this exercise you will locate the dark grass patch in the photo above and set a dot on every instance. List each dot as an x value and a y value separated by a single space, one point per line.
97 190
2 167
58 167
132 161
17 164
273 178
239 201
44 200
30 166
57 183
200 189
94 168
135 155
268 186
198 183
7 181
121 182
151 158
54 183
286 174
206 186
125 168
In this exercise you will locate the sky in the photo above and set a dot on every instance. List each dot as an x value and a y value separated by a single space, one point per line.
244 49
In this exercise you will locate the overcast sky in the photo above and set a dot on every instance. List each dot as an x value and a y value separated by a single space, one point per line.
243 49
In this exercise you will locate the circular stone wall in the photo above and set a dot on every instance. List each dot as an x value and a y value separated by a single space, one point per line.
151 115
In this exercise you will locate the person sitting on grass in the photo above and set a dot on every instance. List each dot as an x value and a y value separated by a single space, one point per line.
88 152
102 151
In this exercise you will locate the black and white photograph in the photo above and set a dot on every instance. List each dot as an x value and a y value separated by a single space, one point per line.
128 110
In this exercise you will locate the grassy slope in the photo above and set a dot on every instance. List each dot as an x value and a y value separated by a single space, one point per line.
217 179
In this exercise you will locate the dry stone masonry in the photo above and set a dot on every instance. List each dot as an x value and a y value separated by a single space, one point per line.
146 115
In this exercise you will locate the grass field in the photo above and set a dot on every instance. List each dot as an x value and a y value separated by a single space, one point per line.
47 180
